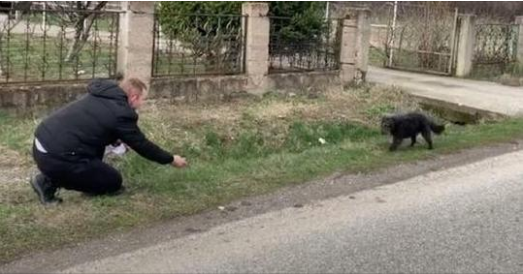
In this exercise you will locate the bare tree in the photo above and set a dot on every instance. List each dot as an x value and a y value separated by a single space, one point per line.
7 25
82 15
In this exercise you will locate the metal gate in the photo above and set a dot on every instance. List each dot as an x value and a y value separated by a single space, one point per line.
496 43
422 37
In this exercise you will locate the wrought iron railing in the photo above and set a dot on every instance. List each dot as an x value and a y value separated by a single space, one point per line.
198 44
57 44
496 43
292 48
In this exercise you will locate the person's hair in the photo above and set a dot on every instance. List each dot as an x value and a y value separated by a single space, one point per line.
135 84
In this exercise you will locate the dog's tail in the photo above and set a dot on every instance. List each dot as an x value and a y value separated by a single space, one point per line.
438 129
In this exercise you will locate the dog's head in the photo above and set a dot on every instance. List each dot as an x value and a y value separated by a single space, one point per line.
387 124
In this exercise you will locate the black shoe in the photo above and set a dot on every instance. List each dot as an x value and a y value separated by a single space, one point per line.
45 190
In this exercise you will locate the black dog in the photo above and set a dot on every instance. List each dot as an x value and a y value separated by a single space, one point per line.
409 125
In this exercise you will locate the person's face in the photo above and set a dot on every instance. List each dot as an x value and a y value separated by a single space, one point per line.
136 99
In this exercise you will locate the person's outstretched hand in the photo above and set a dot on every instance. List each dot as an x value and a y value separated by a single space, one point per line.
179 161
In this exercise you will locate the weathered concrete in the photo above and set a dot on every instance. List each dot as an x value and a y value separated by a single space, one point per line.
304 82
348 50
473 97
22 99
193 89
29 98
219 88
136 31
519 21
256 31
362 44
467 38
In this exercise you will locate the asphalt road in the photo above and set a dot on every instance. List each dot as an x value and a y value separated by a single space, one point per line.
464 219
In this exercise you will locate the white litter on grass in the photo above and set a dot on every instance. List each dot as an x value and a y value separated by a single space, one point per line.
117 150
322 141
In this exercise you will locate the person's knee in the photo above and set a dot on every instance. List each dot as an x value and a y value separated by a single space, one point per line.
115 187
114 183
108 181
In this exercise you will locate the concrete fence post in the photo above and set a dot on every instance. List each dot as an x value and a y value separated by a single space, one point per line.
256 28
362 44
354 51
135 45
519 35
348 50
467 39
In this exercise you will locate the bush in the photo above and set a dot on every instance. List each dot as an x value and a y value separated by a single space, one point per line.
189 22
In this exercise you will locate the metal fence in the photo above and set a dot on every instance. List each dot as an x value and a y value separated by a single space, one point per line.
198 44
293 48
109 6
496 43
62 44
421 37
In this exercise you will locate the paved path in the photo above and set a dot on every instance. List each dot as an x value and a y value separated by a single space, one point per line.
468 94
461 220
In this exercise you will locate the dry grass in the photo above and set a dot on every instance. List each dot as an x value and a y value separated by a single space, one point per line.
186 124
221 170
363 105
237 149
10 157
185 128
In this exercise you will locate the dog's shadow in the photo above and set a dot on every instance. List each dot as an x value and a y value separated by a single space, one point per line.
421 145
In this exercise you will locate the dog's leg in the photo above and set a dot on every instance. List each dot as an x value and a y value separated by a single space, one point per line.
413 139
427 136
396 142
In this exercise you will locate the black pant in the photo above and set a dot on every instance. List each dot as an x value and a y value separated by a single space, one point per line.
91 176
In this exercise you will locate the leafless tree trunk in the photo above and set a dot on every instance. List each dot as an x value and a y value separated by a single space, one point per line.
82 17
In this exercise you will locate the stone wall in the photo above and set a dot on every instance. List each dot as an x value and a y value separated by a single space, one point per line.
193 89
26 99
135 59
22 99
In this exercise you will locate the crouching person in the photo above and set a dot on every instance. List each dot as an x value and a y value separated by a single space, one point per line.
69 145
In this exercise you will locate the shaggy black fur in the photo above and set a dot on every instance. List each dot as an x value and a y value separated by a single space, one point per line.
409 125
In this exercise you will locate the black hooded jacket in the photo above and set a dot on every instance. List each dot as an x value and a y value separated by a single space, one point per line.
83 128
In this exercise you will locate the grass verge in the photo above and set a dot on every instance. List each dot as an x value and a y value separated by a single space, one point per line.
240 149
